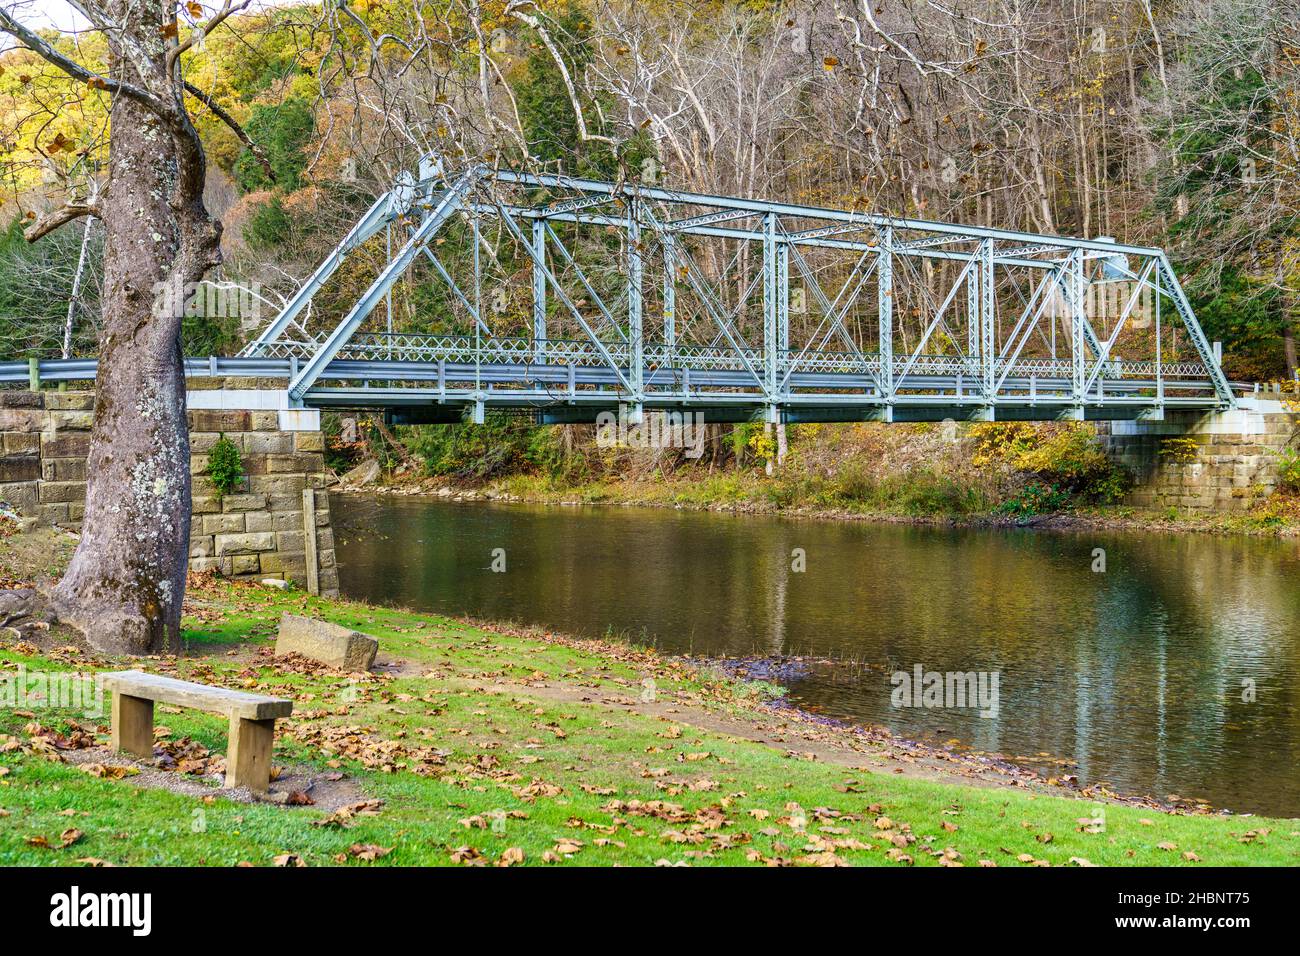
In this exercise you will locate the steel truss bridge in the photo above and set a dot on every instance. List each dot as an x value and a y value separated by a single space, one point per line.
572 296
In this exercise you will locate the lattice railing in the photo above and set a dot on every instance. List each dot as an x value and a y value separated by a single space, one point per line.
422 347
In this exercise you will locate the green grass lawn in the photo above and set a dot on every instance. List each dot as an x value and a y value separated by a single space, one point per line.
468 776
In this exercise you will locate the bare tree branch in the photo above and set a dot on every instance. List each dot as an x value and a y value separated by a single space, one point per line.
570 88
51 220
220 113
39 46
213 22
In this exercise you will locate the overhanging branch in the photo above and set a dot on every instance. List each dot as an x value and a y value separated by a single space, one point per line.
220 113
50 221
41 48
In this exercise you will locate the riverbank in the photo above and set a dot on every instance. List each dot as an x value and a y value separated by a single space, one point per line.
1276 516
476 745
983 474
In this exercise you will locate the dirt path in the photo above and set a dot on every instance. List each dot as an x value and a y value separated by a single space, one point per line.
796 736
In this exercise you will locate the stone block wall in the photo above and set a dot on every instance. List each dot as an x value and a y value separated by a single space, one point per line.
44 440
1233 460
260 530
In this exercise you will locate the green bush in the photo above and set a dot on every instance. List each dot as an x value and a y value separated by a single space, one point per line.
1072 460
854 482
502 445
269 225
1035 499
283 130
744 437
1288 470
225 466
924 493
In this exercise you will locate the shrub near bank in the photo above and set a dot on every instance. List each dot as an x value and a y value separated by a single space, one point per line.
1054 466
920 470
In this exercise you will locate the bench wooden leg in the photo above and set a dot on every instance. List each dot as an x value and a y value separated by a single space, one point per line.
248 758
132 724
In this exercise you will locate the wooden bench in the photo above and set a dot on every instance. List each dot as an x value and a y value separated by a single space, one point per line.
252 720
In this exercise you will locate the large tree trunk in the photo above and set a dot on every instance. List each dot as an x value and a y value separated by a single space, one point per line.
125 586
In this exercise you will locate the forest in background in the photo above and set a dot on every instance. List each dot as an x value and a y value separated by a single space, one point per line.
1169 123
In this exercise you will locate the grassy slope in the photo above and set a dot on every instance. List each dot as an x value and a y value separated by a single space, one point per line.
502 742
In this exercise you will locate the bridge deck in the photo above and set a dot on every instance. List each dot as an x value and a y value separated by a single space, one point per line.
437 378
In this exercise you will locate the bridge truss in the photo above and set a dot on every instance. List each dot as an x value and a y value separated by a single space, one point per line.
572 296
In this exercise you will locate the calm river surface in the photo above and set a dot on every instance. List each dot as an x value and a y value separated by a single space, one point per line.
1142 674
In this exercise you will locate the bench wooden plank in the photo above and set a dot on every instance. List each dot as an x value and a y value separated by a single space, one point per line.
232 703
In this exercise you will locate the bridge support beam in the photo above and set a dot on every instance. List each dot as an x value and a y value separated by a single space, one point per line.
539 290
635 319
670 295
885 311
770 310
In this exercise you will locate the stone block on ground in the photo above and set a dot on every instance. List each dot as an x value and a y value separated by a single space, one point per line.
366 473
328 643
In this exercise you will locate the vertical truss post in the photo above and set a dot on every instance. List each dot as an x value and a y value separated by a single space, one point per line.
988 323
974 327
670 298
1160 372
770 333
1078 291
539 290
783 311
885 311
478 309
635 330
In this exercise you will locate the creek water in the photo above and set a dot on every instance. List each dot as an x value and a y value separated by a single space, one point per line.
1175 670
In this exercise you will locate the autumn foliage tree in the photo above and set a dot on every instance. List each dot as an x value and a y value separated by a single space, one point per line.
125 585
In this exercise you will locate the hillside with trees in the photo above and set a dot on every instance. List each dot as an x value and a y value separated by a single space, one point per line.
1175 124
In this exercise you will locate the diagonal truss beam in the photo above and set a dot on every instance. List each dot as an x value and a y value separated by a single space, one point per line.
385 209
558 245
323 355
513 228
